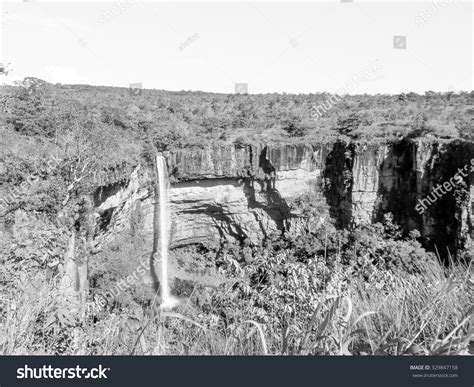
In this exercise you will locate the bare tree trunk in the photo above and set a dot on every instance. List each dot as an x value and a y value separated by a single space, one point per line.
70 280
83 277
75 281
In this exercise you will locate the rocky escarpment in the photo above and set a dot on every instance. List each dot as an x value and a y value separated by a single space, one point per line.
227 192
232 192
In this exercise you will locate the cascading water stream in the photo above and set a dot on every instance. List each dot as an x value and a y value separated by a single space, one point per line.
168 301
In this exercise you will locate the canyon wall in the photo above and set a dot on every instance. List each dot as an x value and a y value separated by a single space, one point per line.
232 192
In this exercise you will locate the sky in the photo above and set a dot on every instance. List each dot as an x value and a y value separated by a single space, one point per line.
326 46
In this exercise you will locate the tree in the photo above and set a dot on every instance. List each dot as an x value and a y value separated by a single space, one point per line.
4 69
347 124
85 147
465 128
294 127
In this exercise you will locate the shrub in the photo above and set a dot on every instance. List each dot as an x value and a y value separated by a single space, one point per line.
347 124
294 127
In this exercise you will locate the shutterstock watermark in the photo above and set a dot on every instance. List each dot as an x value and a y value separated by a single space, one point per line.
241 88
5 19
317 112
116 9
100 300
188 41
442 189
426 15
50 372
135 89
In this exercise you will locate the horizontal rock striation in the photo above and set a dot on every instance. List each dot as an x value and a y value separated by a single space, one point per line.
233 192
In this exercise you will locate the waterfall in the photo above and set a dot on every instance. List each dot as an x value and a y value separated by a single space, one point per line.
167 300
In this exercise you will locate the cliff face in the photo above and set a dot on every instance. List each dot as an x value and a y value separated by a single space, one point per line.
426 186
234 193
218 193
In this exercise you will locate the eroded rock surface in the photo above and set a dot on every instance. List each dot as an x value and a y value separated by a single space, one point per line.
235 193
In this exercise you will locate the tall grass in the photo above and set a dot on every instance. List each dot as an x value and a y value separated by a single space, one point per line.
427 314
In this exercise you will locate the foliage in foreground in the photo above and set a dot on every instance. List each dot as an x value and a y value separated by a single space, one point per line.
316 291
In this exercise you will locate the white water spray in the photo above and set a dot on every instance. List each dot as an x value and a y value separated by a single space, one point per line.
168 301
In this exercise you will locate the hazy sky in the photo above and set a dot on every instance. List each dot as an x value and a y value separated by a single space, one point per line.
274 47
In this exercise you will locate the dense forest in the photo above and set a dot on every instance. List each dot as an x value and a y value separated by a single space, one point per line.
194 118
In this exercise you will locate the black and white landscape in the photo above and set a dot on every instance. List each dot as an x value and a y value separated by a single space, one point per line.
236 178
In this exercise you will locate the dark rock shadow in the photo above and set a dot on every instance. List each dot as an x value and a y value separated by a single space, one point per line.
277 208
338 183
397 187
447 167
410 196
